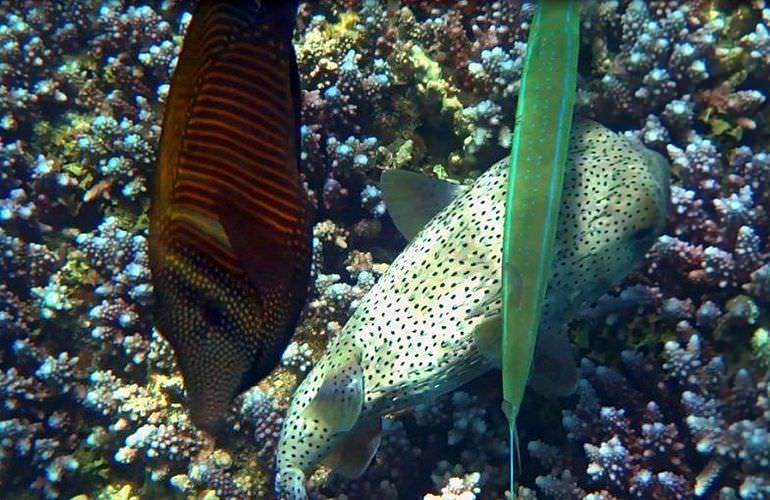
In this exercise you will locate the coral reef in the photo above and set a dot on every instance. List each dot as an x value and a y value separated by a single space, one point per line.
650 432
93 402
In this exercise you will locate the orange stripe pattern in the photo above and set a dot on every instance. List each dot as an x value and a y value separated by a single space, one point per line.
237 145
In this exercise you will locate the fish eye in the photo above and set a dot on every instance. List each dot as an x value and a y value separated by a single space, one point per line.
213 313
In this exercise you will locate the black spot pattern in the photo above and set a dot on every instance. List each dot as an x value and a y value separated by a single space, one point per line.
413 332
203 314
613 209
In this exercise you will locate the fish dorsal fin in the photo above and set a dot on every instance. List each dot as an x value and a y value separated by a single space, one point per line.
340 397
413 199
487 335
351 456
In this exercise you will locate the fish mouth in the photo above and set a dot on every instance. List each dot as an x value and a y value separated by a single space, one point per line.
204 418
668 203
661 173
208 402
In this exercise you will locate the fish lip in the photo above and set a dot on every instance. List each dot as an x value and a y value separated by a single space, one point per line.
207 409
669 204
204 420
664 173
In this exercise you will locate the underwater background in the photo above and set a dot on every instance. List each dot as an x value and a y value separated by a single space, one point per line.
673 400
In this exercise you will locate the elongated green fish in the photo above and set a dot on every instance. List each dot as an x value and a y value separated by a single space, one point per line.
538 162
433 321
538 159
230 229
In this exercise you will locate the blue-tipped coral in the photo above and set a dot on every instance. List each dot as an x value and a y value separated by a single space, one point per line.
677 431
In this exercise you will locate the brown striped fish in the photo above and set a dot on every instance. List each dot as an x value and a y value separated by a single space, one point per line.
230 226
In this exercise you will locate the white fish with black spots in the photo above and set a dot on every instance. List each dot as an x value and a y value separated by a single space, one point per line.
433 321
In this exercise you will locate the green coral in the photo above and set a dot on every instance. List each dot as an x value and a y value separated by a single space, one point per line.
129 219
723 124
760 345
440 172
327 44
117 491
730 57
432 84
432 105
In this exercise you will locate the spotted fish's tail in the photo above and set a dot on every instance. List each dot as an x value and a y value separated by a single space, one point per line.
290 484
325 423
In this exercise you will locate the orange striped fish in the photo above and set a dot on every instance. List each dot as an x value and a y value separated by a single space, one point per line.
230 226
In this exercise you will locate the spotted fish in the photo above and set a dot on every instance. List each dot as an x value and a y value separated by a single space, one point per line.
433 321
230 228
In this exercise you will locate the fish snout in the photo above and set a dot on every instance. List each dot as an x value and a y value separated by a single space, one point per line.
212 376
650 193
208 400
662 193
210 422
666 194
660 171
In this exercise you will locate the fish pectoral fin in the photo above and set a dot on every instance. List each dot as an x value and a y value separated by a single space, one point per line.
554 368
340 398
488 336
264 252
354 453
414 199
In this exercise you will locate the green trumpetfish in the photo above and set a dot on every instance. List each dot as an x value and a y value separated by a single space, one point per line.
230 225
434 321
538 159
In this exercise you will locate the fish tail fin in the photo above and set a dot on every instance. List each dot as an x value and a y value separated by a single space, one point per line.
513 447
514 452
518 449
290 484
554 369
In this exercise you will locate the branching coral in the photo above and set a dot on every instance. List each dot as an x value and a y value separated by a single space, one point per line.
647 433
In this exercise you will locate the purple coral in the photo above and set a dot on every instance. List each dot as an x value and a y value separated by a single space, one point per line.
632 446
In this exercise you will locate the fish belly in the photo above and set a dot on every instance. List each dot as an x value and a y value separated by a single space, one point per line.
418 330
